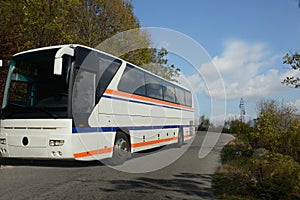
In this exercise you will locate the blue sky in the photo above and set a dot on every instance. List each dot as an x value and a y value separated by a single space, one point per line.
245 40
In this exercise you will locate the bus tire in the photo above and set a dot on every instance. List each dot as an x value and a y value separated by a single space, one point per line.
121 149
180 138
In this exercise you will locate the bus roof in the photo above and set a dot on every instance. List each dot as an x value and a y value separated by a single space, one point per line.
92 49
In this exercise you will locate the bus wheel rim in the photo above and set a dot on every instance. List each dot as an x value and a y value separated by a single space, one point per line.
121 147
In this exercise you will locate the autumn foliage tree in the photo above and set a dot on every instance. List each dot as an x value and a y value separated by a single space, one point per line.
159 65
27 24
278 129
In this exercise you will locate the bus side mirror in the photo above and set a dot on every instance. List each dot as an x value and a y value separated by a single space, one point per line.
58 61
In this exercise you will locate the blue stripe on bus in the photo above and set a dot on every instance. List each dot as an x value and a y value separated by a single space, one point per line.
145 103
114 129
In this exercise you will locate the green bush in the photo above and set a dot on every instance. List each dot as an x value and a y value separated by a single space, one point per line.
257 174
233 182
277 129
263 161
277 177
235 151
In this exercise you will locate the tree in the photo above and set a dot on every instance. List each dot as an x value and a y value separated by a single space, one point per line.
204 123
27 24
9 31
294 61
278 129
160 66
101 19
131 45
241 129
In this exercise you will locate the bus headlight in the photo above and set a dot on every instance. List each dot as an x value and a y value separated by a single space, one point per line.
56 142
2 141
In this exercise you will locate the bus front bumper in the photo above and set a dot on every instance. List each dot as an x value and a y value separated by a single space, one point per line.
36 139
36 147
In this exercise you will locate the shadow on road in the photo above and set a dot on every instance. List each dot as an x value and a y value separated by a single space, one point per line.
72 163
195 186
47 163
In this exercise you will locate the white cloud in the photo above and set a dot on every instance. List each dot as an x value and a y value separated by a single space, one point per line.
297 105
244 71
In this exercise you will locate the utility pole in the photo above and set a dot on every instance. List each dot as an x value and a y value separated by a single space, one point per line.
242 110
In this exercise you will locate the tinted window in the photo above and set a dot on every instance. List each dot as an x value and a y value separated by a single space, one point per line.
84 92
188 98
180 96
108 69
154 87
133 81
104 66
168 92
136 81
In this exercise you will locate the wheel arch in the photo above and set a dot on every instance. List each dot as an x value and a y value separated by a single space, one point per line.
127 133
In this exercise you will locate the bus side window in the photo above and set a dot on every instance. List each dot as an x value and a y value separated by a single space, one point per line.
168 92
188 98
106 72
180 99
154 87
133 81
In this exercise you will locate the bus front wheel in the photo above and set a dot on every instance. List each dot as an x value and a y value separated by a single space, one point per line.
121 150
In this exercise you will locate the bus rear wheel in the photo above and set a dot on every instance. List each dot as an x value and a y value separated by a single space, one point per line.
121 150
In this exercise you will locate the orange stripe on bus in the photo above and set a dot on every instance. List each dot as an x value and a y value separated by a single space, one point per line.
136 145
140 144
94 152
188 136
134 96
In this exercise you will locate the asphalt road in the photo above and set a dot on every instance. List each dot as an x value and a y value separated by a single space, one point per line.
189 177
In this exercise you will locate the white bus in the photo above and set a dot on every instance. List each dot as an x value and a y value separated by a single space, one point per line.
75 102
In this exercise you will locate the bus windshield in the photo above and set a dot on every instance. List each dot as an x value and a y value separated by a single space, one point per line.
34 91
